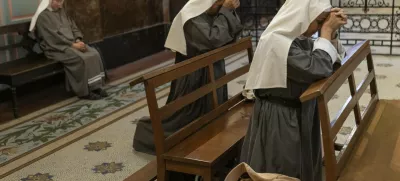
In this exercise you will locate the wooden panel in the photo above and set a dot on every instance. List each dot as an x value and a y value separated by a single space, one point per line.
126 15
87 16
175 6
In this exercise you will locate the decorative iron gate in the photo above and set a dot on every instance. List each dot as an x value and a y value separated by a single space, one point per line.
256 15
376 20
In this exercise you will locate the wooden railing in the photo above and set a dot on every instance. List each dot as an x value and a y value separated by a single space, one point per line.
324 90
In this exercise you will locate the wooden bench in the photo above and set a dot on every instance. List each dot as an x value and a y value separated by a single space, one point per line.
147 173
24 70
209 142
324 90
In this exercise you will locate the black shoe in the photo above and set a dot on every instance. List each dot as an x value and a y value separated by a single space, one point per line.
91 96
101 92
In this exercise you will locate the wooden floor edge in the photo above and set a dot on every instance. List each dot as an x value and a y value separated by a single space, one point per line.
146 173
379 109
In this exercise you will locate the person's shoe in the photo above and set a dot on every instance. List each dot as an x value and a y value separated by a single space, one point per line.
91 96
101 92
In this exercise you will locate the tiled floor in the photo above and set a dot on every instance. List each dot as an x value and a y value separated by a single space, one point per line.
107 153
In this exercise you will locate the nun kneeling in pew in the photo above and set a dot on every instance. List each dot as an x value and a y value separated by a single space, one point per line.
201 26
284 134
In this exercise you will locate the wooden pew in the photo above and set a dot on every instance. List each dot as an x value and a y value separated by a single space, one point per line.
26 69
147 173
209 142
324 90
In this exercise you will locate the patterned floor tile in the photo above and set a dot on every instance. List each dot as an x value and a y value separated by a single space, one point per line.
384 65
107 168
38 177
345 130
97 146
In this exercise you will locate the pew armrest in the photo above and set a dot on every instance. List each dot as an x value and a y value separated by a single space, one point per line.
320 87
136 81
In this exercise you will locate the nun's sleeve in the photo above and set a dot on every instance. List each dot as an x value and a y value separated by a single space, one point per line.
223 30
75 30
306 67
341 51
48 32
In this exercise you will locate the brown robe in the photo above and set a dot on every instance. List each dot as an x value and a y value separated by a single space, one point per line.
56 33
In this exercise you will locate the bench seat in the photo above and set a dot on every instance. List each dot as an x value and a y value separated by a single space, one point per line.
28 69
146 173
210 142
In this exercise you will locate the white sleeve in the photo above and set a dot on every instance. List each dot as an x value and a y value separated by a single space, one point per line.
326 45
340 49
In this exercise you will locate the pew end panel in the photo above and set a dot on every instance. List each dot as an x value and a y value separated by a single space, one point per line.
324 90
196 148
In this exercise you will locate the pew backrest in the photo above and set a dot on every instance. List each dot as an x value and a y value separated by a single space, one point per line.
22 30
162 76
325 89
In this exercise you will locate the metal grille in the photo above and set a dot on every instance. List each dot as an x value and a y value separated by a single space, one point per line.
256 15
376 20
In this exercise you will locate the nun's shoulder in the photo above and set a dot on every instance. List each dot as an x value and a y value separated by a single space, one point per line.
199 19
44 15
303 43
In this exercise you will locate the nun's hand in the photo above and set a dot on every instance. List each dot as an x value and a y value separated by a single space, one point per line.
333 23
80 46
236 4
231 4
83 47
339 13
77 46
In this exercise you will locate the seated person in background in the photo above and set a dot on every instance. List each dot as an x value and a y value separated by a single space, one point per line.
201 26
284 134
60 40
